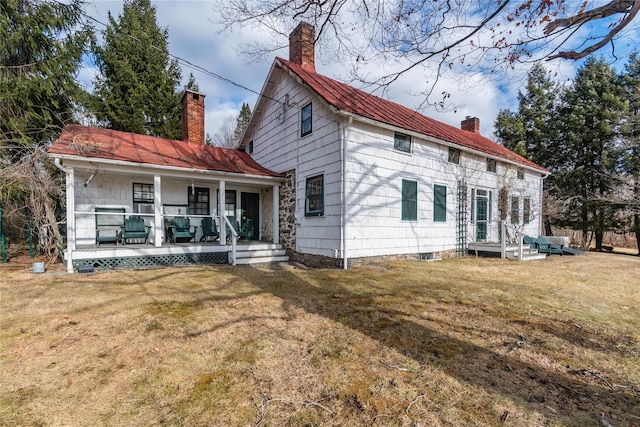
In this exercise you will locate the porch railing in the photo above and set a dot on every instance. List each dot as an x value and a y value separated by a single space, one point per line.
504 227
234 237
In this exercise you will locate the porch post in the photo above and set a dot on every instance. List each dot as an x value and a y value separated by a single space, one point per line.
221 202
157 211
71 218
276 214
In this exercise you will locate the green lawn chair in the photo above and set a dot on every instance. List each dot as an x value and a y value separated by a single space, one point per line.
134 228
209 229
548 248
181 230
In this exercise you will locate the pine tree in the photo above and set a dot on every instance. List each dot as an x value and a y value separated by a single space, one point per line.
136 90
630 81
242 121
41 48
590 115
530 130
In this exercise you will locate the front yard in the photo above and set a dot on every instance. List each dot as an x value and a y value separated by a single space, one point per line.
457 342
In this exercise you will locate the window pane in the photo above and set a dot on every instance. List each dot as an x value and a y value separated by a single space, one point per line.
142 193
314 201
454 156
306 120
515 211
402 142
439 203
491 165
198 200
526 210
409 200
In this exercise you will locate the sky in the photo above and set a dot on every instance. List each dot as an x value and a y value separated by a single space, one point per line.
195 36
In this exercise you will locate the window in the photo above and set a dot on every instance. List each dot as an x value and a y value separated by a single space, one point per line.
402 142
526 210
439 203
229 202
454 155
305 120
409 200
142 194
491 165
314 200
520 173
515 210
198 200
251 146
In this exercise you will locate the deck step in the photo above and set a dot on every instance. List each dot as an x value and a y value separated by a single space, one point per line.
260 260
527 255
256 253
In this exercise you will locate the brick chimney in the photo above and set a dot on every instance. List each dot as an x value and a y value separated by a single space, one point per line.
301 45
471 124
193 117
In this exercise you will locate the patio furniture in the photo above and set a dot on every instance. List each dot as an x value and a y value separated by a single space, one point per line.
548 248
108 224
134 228
181 230
209 229
242 232
528 240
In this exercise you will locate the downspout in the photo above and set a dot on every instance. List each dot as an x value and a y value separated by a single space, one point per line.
71 236
343 178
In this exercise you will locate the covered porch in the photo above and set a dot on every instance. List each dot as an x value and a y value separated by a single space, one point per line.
101 199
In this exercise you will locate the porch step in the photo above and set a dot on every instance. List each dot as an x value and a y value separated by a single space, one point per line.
527 255
256 253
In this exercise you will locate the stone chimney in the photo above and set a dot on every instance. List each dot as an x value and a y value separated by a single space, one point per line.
193 117
301 45
471 124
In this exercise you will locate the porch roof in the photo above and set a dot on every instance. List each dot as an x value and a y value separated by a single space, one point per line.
92 143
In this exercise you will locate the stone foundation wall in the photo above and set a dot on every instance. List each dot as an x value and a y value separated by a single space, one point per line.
288 212
318 261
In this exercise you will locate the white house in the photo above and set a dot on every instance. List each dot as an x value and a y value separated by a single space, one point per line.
366 178
112 176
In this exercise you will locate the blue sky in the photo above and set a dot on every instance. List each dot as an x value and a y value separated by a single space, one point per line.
196 37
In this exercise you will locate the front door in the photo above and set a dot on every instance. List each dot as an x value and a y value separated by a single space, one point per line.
250 205
482 215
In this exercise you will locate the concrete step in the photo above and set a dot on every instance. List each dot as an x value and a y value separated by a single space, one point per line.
259 260
527 255
260 253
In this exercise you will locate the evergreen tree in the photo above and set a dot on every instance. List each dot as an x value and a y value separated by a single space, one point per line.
192 84
137 89
41 48
242 121
590 114
530 130
630 81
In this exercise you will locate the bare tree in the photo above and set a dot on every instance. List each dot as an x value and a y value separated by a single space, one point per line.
441 36
225 136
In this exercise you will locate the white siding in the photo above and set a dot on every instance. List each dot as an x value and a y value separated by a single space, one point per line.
277 145
374 171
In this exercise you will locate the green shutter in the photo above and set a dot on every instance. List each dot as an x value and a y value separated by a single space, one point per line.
409 200
439 203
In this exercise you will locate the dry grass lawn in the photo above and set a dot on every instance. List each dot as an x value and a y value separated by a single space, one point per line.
459 342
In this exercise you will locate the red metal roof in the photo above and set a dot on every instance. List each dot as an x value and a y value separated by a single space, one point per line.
356 101
108 144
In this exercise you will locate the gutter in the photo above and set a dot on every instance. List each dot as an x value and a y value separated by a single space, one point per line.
177 170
